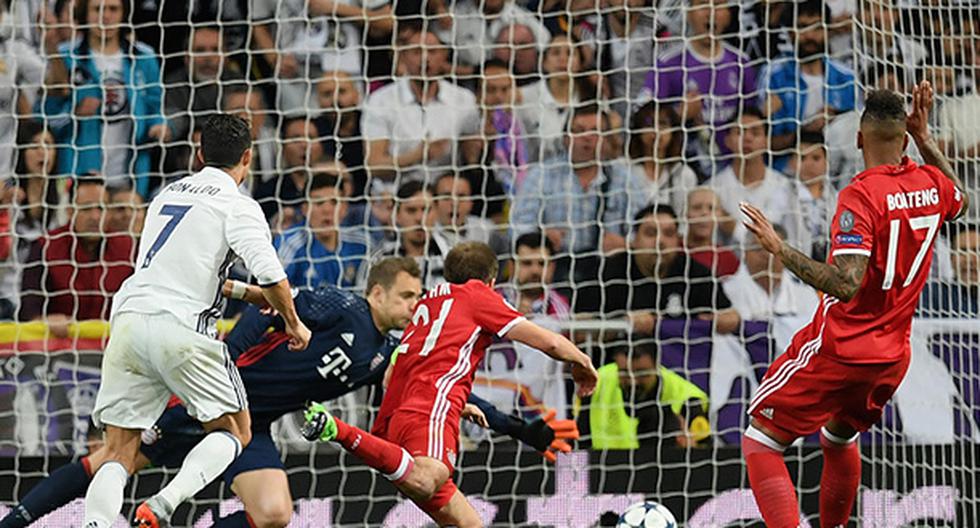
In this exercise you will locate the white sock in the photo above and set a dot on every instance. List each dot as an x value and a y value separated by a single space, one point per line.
104 498
208 460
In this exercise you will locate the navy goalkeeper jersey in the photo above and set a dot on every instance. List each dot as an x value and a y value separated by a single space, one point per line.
346 351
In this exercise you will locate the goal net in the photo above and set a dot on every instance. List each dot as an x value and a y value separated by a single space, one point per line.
601 148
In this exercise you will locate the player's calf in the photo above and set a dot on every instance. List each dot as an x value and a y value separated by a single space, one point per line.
265 494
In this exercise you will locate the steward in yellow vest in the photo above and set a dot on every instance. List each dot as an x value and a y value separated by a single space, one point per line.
640 403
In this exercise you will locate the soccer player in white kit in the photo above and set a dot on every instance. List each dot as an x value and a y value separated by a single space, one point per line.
163 337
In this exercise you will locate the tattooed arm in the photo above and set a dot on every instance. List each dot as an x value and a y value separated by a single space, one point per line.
840 279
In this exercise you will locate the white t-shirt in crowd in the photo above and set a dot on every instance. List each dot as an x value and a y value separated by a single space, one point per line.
117 125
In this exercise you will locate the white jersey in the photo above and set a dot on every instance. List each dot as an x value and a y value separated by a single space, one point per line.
193 231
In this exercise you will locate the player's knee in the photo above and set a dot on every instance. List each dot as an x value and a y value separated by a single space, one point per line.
244 436
270 514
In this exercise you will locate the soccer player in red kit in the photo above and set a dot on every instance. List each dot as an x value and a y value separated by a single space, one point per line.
841 369
415 438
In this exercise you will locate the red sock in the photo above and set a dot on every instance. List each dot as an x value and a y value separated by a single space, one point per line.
386 457
839 481
771 485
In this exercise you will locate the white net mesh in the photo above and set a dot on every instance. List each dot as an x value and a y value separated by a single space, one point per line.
542 128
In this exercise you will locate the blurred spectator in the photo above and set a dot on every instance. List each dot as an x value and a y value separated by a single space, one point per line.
708 79
339 124
548 101
499 161
624 54
300 150
763 27
958 119
764 290
318 252
193 91
531 271
845 160
74 270
704 216
245 102
39 205
476 28
655 149
52 25
749 179
413 126
640 403
413 220
517 46
454 221
21 78
880 43
583 203
126 213
109 109
300 39
959 298
817 197
805 88
657 279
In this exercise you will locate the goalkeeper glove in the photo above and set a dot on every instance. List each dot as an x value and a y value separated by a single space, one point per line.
319 424
548 435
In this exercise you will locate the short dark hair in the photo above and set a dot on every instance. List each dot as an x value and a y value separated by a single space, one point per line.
324 180
468 261
534 240
752 111
812 138
78 182
809 8
588 109
652 210
646 347
954 230
492 63
384 272
224 139
293 119
410 189
885 110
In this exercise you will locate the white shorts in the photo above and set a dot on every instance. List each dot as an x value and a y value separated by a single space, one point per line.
151 357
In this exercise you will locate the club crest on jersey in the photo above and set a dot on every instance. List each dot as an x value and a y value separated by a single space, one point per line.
846 221
854 240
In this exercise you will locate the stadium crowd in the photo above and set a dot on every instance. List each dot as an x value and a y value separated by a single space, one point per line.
601 147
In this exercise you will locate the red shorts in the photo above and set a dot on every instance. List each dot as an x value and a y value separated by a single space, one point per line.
417 434
802 392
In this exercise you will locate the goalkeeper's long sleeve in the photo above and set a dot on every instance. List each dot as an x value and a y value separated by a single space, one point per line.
499 422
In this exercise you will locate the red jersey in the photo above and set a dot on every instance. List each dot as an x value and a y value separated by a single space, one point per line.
891 214
441 348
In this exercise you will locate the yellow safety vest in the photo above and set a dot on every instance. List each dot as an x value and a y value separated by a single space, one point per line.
612 428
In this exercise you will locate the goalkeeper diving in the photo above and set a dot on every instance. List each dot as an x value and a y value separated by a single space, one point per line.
350 348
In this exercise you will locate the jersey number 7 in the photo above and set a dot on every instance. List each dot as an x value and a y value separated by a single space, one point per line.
176 214
931 223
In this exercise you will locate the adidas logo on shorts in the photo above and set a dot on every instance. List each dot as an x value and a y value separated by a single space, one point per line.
767 412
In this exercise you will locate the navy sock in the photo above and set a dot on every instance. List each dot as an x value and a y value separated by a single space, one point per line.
235 520
62 486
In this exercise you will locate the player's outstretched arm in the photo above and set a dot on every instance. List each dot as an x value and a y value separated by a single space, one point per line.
842 279
917 125
280 298
558 347
249 293
545 434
